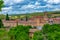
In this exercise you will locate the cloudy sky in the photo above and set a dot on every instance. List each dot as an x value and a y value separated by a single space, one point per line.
28 6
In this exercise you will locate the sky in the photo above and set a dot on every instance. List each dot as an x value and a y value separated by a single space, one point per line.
29 6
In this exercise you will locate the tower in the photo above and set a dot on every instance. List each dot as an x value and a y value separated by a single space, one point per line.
45 14
46 17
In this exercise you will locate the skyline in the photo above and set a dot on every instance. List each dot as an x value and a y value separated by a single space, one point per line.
28 6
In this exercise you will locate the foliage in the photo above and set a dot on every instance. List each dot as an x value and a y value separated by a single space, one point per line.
1 4
7 17
51 28
52 32
26 18
19 33
38 36
2 16
49 32
4 35
1 23
58 12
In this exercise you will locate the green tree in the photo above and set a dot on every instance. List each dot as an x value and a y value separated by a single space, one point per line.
38 36
27 17
52 32
1 23
19 33
7 17
1 4
48 32
49 15
4 35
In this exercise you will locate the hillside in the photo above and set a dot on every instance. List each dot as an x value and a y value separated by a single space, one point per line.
53 14
14 16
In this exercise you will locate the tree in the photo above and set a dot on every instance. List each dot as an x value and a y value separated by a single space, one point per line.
1 23
48 32
4 35
7 17
27 17
1 4
49 15
52 32
38 36
19 33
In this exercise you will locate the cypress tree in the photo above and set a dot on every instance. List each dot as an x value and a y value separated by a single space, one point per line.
27 17
7 17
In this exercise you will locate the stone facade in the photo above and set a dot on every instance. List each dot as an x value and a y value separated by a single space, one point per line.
33 21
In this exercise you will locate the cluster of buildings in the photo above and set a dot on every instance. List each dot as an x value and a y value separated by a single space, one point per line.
35 21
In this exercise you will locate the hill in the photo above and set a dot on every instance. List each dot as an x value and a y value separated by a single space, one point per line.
14 16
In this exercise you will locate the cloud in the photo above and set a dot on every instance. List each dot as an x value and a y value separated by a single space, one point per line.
6 8
53 1
27 6
57 9
17 1
11 2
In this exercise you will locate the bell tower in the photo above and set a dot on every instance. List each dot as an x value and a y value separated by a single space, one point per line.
46 17
45 14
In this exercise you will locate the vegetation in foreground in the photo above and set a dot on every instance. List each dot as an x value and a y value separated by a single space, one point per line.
1 4
48 32
15 33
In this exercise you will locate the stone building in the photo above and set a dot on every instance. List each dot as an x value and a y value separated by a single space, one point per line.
33 21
